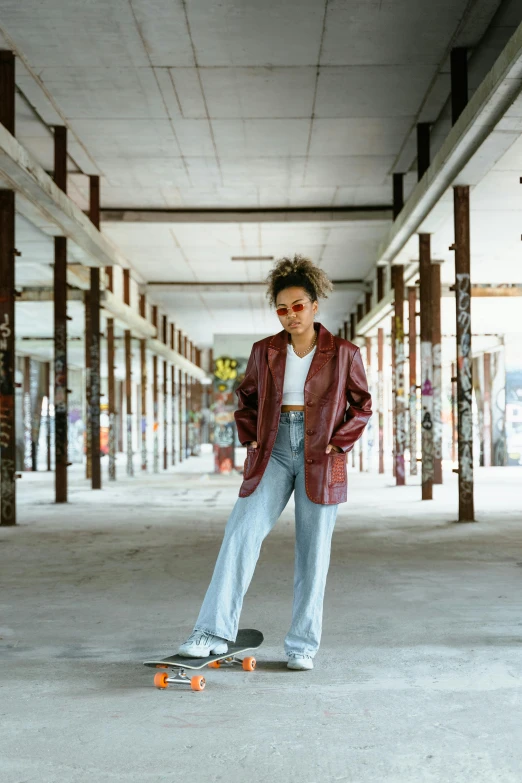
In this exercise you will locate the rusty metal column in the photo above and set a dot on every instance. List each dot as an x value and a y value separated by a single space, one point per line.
380 282
412 360
188 386
94 348
380 395
400 382
128 376
7 343
165 399
426 365
437 371
47 383
144 387
464 365
111 399
454 433
180 393
155 412
87 359
60 328
487 429
173 399
370 427
392 352
7 309
27 415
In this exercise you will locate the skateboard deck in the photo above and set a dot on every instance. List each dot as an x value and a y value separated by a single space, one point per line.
247 639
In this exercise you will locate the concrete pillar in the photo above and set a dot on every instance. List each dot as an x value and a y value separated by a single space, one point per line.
426 365
60 328
464 363
412 402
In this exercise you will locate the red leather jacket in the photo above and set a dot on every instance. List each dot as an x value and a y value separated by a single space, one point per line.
337 409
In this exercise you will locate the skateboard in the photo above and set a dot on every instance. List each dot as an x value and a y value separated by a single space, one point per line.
247 639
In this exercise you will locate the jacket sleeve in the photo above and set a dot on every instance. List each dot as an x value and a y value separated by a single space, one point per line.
360 410
246 414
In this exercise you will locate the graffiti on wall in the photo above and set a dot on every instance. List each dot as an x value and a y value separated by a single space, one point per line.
228 374
465 385
400 401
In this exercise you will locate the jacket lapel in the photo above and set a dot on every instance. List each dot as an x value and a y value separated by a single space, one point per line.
324 351
277 349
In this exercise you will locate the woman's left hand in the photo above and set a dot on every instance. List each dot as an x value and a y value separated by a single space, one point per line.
331 447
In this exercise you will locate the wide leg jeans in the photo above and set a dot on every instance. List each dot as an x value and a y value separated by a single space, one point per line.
251 520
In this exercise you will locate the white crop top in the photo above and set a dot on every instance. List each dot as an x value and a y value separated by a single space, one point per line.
296 371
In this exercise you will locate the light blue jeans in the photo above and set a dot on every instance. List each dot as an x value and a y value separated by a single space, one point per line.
251 520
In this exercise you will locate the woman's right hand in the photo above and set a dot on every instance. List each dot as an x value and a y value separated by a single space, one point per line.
252 444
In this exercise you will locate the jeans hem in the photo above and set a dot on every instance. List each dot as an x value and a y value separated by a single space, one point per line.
214 633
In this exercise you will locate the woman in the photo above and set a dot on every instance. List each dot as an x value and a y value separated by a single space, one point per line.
294 420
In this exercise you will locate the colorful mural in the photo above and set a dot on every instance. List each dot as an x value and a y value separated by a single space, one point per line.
228 372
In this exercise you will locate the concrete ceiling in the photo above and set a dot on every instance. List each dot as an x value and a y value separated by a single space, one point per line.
245 104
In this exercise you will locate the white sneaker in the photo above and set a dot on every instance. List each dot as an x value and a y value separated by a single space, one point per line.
300 662
201 645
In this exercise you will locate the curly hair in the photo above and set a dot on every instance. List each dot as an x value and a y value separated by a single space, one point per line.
301 272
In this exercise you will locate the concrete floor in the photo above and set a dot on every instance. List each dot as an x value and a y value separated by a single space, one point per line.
419 676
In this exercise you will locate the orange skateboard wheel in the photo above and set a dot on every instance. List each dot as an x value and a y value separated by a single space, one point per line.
197 683
160 680
214 665
249 664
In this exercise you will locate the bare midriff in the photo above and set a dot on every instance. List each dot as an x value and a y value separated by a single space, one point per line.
286 408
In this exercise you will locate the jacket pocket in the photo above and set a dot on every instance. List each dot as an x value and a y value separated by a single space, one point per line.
336 469
250 462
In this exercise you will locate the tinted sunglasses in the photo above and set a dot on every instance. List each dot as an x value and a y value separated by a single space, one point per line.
296 308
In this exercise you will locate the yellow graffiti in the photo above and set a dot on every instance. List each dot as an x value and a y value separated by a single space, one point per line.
226 369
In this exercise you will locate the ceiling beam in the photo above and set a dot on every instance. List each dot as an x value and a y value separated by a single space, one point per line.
275 215
241 287
47 207
454 162
177 360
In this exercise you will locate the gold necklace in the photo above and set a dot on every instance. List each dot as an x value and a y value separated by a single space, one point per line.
303 353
